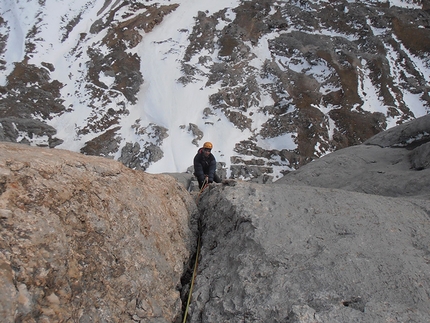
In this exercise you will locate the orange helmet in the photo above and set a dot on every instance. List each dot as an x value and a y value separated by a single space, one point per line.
207 145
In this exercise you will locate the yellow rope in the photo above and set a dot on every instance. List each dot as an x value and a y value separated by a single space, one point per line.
192 280
205 184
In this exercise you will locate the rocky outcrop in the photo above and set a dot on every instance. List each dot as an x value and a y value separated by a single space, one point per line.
392 163
285 253
86 239
30 92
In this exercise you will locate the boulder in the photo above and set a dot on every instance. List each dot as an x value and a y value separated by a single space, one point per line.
86 239
409 134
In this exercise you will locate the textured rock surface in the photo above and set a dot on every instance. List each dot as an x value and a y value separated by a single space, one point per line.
283 253
85 239
294 253
392 163
409 135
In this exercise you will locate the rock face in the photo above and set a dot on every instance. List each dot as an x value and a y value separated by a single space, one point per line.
393 163
283 253
290 252
86 239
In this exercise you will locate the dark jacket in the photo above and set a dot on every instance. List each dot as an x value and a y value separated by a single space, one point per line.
204 166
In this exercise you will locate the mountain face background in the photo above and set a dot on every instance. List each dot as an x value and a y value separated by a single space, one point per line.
273 84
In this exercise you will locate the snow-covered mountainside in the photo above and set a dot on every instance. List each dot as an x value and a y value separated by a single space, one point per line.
273 84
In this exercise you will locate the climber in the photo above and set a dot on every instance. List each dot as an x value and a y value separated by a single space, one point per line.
205 165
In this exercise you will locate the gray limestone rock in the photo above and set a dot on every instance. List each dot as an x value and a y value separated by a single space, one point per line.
409 134
12 128
184 179
393 163
285 253
367 169
420 157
